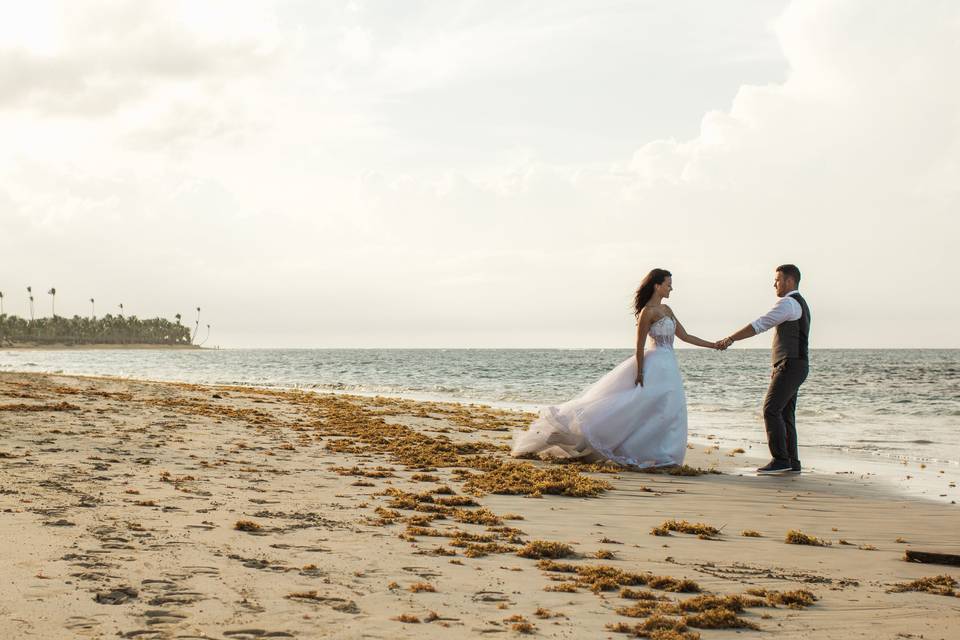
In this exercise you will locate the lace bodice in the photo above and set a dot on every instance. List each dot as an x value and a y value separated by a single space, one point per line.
661 333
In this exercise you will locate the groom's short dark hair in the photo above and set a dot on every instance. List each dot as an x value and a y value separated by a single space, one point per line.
790 271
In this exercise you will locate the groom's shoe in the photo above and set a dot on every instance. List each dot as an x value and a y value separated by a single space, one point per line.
795 467
774 467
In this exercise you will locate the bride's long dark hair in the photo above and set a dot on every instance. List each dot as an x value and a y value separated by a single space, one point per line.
645 290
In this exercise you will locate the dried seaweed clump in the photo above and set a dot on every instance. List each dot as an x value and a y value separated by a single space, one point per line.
799 537
682 526
601 577
604 554
552 565
408 618
379 472
703 612
735 603
418 587
682 470
942 585
718 618
479 550
750 533
631 594
794 599
247 525
668 583
440 551
543 549
60 406
520 624
480 516
656 627
456 501
523 478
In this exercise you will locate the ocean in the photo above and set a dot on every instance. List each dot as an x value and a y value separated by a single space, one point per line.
883 405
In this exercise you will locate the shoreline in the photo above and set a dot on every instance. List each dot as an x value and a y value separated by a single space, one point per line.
918 477
152 509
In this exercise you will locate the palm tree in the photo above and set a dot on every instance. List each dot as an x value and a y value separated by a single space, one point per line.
30 291
121 309
93 310
53 301
207 337
196 328
1 303
178 316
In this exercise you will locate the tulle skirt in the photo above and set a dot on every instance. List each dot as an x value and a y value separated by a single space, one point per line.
617 420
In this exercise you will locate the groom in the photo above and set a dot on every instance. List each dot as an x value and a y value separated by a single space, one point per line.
791 317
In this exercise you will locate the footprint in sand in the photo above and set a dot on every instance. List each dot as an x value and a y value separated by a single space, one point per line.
255 634
80 624
117 595
161 616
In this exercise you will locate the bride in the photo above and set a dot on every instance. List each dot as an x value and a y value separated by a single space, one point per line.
634 415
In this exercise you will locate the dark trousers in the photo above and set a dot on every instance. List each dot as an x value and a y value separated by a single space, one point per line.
780 408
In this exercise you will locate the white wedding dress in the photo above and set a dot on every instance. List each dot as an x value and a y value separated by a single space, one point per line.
616 419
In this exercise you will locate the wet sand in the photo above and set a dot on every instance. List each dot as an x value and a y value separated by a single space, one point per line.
156 510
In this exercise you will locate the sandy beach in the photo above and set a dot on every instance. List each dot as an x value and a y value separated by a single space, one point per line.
159 510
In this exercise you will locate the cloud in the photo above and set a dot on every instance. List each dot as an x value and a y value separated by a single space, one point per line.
402 173
106 55
867 106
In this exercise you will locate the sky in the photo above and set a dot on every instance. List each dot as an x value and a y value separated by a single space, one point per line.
466 173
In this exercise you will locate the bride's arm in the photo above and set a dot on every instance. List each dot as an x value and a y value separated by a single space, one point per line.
691 339
643 327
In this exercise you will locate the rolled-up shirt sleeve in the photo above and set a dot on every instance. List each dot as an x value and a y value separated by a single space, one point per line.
785 310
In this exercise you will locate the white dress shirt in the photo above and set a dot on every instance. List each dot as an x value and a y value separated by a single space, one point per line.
785 310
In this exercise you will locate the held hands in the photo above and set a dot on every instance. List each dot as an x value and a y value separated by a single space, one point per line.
722 345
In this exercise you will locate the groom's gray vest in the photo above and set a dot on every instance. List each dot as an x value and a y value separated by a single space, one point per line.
790 340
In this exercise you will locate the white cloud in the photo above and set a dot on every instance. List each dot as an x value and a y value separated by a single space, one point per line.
96 57
377 175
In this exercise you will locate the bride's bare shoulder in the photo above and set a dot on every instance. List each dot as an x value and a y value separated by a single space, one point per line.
649 315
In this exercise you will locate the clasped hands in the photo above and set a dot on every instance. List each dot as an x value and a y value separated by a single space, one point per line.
723 345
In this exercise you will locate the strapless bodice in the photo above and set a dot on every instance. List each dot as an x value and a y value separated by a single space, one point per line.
661 333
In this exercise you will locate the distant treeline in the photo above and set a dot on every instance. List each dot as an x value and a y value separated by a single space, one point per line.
106 330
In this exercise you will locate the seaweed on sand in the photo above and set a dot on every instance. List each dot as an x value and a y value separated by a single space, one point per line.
718 618
480 516
607 578
408 618
682 470
553 565
682 526
543 549
247 525
520 624
523 478
799 537
942 585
